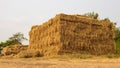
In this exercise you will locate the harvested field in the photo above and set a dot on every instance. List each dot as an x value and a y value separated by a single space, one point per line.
52 63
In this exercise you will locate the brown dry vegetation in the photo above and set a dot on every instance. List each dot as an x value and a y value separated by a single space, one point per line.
72 34
13 49
66 34
61 63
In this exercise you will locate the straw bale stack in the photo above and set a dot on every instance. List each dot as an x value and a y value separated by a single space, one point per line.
72 34
13 49
28 54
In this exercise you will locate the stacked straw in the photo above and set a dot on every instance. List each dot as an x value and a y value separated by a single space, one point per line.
13 49
72 34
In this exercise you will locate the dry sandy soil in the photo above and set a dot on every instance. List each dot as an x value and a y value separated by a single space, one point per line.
55 63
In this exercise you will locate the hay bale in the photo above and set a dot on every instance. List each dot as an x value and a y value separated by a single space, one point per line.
73 34
28 54
13 49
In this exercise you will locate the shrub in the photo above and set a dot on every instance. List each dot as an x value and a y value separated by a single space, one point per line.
118 46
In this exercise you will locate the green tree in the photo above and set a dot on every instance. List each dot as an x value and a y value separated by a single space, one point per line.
96 16
92 15
18 38
117 34
106 19
1 47
7 43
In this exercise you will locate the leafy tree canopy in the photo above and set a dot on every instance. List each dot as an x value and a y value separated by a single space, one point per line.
96 16
117 33
18 38
92 15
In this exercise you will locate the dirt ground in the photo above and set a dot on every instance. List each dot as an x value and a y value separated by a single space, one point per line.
54 63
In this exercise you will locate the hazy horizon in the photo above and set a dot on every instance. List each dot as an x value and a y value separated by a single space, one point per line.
21 15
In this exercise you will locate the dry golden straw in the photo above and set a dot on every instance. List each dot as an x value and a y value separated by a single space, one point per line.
72 34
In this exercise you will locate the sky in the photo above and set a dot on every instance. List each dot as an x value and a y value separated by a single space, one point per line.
21 15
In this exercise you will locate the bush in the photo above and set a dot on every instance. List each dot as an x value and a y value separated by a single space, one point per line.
118 47
117 34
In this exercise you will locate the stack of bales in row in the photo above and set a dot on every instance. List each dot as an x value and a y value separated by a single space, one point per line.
73 34
81 34
46 38
13 49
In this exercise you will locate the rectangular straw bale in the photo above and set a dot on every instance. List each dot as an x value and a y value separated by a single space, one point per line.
73 34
